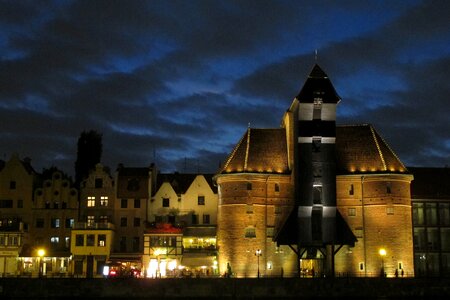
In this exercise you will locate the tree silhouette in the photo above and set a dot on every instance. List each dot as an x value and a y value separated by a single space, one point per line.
88 154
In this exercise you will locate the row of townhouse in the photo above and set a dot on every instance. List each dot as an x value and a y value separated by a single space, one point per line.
149 223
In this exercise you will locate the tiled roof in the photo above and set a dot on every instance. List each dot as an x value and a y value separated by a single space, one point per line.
259 151
360 149
430 183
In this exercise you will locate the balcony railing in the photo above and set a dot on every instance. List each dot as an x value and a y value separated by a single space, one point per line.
84 225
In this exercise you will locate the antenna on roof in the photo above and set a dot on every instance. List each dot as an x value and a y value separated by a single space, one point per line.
248 124
315 55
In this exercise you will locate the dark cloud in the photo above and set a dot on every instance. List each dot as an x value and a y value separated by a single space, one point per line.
178 82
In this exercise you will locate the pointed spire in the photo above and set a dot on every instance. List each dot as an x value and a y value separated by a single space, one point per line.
318 85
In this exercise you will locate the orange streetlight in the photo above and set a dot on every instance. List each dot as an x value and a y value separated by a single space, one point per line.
258 254
382 253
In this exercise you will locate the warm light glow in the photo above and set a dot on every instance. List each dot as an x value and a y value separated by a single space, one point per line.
258 252
152 267
382 252
41 252
172 265
162 268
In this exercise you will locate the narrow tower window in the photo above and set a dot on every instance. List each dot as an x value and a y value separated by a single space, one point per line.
317 194
351 191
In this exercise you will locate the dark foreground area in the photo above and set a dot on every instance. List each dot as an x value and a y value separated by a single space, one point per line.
225 288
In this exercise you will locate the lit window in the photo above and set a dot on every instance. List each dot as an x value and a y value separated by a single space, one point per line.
55 223
90 220
104 201
69 222
67 242
54 240
101 240
90 201
201 200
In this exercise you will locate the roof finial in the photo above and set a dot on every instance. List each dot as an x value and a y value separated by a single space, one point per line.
315 56
248 124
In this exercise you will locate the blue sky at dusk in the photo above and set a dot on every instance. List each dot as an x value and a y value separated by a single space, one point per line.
177 82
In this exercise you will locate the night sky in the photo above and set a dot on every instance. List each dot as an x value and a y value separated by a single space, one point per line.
177 82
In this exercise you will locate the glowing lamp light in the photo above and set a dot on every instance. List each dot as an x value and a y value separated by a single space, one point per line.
41 252
382 252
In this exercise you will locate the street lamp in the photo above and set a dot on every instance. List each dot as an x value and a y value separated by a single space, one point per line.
41 253
382 253
258 254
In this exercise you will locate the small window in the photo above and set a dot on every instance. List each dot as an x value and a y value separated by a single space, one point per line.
55 223
250 232
194 219
12 185
249 208
90 201
361 266
123 203
359 232
400 265
201 200
90 240
269 232
67 242
316 142
277 188
90 220
101 240
165 202
351 191
388 188
79 240
69 222
137 222
137 203
54 240
123 222
249 186
103 219
104 201
136 244
20 203
317 194
390 210
98 183
206 219
352 211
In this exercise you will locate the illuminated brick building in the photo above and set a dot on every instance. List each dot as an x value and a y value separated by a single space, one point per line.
312 198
